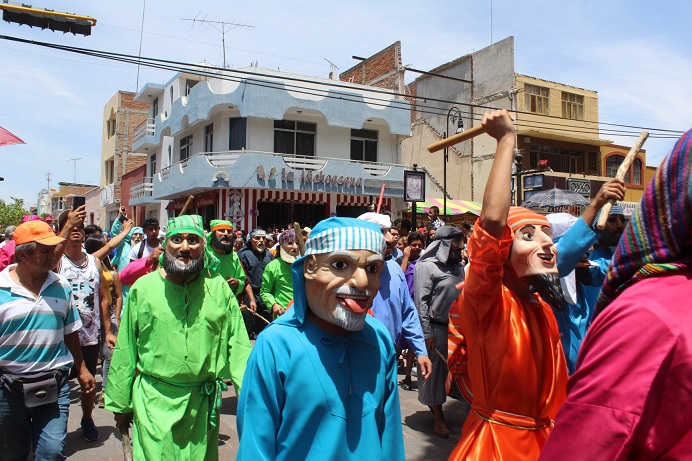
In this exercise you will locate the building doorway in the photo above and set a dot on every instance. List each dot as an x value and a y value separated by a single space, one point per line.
281 214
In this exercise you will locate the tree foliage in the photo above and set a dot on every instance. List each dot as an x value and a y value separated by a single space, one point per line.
11 214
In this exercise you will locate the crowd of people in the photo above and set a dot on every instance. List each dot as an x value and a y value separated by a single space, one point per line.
568 342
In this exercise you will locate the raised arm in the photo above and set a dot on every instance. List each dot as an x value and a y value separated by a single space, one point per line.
115 241
496 199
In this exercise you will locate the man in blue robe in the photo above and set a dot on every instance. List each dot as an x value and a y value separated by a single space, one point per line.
572 247
321 379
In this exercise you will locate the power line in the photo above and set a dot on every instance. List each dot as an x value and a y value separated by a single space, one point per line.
230 75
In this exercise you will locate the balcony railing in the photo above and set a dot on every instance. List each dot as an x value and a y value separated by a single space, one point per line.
143 187
146 128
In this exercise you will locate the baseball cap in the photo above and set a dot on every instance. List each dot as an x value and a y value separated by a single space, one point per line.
36 231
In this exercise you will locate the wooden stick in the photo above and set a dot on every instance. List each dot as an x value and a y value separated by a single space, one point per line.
299 238
187 205
125 438
459 137
622 171
247 309
379 202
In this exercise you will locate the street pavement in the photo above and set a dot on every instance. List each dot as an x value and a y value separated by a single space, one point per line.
417 423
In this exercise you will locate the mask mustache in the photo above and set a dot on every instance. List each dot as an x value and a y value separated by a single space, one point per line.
350 291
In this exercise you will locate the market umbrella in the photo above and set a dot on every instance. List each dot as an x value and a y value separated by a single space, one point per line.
554 198
454 207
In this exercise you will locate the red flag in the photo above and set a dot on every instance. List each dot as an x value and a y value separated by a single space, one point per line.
7 138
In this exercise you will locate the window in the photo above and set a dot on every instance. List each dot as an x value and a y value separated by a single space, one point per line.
209 138
236 133
536 99
109 170
185 147
612 164
572 106
637 172
593 162
189 84
152 165
110 127
296 138
155 108
559 159
364 145
170 155
171 94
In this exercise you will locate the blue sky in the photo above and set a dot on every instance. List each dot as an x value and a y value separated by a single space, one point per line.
635 54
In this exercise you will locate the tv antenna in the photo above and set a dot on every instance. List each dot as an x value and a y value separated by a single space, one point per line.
221 26
75 167
332 68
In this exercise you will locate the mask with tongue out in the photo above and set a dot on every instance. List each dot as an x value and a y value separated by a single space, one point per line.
341 271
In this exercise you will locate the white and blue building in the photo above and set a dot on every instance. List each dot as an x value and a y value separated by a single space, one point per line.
262 147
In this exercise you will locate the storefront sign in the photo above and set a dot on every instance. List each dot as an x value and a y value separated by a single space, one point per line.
309 177
580 186
206 200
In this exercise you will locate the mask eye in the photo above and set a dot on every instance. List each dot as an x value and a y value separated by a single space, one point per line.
176 239
339 265
528 236
372 269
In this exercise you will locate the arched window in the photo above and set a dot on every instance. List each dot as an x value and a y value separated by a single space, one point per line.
613 163
637 172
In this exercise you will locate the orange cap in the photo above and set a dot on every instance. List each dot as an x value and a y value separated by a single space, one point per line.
36 231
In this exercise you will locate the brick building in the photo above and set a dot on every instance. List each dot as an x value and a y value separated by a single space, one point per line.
383 69
121 117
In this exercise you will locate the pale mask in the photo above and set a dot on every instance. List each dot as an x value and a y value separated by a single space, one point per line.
340 286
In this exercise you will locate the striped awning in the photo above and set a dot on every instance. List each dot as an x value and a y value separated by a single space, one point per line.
454 207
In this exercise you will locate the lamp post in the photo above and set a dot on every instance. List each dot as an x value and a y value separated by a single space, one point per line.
454 115
518 158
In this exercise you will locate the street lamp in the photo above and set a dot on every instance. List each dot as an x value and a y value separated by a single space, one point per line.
518 158
454 115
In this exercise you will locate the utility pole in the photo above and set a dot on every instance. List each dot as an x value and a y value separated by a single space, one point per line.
75 167
223 27
50 204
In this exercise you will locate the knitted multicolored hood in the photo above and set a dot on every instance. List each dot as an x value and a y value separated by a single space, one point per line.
658 238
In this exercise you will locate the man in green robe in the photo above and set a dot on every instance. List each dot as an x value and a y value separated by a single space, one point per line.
277 280
181 334
220 240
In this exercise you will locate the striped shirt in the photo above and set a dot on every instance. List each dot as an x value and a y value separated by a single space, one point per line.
32 331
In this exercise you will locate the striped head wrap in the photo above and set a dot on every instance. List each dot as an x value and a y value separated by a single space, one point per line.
615 210
344 234
658 238
519 217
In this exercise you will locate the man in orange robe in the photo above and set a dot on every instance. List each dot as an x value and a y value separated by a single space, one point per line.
516 365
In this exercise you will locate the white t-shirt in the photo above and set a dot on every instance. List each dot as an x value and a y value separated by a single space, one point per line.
134 251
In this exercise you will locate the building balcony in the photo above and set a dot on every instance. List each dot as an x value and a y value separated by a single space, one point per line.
144 135
265 170
141 191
